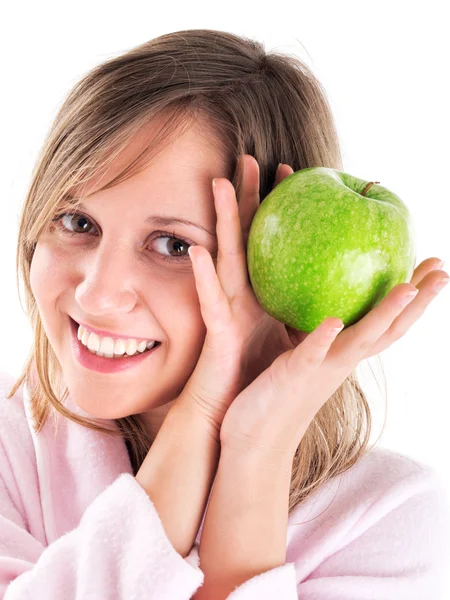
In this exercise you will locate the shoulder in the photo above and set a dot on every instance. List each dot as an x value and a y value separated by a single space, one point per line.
15 435
12 410
386 516
386 481
384 469
379 482
18 469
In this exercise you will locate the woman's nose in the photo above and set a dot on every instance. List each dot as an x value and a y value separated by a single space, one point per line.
108 279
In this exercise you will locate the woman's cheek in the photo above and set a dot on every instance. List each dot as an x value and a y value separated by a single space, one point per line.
49 272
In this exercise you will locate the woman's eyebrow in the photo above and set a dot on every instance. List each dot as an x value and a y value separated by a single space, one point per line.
162 220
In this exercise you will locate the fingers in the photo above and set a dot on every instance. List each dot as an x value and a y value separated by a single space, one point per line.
283 171
355 342
231 259
411 313
425 267
214 305
217 286
315 347
381 327
249 199
234 221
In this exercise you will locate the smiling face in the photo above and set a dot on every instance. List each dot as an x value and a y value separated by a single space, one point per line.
105 266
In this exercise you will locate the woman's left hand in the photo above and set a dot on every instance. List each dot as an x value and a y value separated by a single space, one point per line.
272 414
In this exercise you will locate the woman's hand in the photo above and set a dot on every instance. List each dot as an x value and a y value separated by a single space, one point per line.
272 414
242 340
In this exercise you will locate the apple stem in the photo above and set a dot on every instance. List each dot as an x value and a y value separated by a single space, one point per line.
367 188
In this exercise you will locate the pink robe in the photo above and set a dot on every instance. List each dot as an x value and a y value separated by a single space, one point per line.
75 524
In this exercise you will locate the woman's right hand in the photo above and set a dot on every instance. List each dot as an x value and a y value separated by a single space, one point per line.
242 340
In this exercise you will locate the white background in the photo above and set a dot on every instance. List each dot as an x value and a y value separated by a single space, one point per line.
384 66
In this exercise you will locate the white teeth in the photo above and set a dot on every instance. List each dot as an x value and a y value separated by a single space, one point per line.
131 346
93 342
119 348
142 346
108 348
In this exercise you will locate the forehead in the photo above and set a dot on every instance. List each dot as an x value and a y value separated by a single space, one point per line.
193 152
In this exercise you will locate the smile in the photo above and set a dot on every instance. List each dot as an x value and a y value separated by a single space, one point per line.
89 359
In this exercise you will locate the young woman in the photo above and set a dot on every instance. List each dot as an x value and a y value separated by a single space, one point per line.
168 438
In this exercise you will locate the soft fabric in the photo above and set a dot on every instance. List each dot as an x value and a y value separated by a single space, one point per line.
75 524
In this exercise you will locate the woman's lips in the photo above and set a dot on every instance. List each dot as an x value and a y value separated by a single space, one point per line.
91 361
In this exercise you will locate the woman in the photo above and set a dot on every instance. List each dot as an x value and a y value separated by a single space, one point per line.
155 373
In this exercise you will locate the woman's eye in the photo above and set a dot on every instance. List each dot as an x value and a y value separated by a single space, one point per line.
175 244
75 220
177 247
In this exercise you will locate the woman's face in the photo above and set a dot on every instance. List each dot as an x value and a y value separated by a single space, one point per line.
106 268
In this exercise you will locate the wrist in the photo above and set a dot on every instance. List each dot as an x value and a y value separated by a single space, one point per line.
178 473
186 408
184 430
252 457
245 528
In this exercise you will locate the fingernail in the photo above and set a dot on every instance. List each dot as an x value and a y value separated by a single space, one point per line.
279 165
440 264
336 330
440 285
408 297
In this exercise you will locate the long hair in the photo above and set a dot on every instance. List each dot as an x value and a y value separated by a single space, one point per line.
250 101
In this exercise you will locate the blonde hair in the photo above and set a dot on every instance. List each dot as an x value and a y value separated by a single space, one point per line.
269 105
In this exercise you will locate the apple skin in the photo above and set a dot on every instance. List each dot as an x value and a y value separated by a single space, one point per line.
318 248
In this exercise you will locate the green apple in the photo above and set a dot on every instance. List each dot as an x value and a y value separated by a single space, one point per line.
326 244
